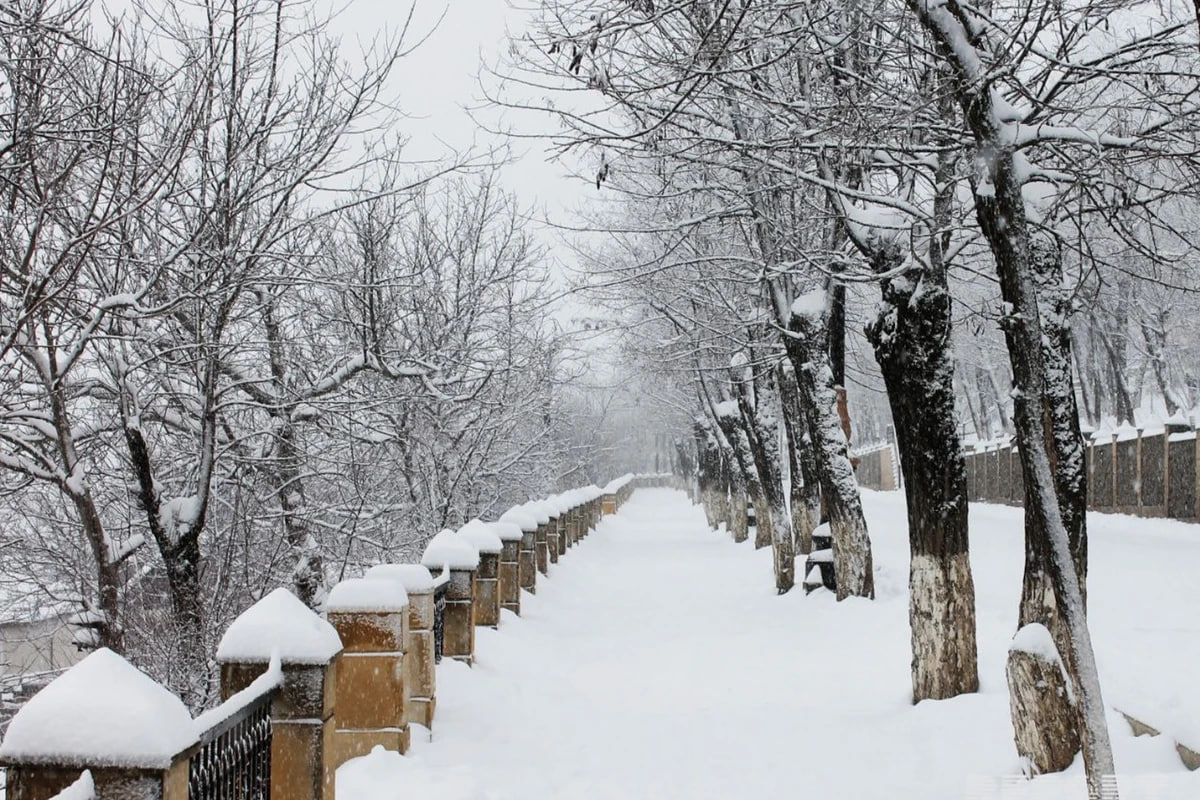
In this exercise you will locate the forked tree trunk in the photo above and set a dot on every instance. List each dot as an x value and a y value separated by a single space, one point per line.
807 349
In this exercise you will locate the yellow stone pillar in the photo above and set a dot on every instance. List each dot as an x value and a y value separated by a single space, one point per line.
371 618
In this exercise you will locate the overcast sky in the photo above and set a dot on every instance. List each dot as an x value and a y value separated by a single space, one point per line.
439 82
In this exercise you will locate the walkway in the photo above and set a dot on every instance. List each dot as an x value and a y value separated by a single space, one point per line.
657 662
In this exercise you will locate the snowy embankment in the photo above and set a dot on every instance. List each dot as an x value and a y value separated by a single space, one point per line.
659 662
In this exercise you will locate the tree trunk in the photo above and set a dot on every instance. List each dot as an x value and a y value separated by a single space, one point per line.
805 495
911 338
741 464
1039 387
807 349
762 437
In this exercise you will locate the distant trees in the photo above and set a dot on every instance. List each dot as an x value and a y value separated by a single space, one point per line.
241 343
792 152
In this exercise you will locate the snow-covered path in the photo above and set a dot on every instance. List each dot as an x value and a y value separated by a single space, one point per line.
657 661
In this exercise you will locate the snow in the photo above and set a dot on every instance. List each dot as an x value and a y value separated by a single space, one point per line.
82 789
520 516
507 531
1036 640
653 709
821 556
810 305
368 595
272 678
447 549
279 624
482 536
539 511
617 484
101 712
413 577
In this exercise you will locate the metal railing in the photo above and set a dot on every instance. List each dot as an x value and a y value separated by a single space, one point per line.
234 760
439 620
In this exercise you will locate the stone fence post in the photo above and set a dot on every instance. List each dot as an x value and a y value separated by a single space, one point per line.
68 727
302 713
527 555
451 553
420 673
371 618
510 535
487 577
541 536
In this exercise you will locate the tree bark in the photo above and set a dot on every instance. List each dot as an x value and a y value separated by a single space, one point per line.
807 349
911 339
805 494
1000 211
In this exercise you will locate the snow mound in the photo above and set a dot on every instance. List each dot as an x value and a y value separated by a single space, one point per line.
482 535
507 530
1035 639
821 556
102 712
617 484
413 577
370 595
279 623
539 511
82 789
447 549
387 775
520 516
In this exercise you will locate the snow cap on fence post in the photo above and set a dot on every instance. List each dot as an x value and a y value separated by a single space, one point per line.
371 617
309 649
487 577
106 716
510 535
527 554
450 552
419 655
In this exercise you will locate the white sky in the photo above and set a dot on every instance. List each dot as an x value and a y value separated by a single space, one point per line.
439 82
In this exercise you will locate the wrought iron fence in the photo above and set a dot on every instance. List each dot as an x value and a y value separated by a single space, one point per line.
439 620
234 760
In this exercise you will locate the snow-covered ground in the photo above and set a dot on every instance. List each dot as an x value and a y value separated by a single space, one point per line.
657 662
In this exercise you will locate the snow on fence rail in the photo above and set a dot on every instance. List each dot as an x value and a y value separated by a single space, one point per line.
302 693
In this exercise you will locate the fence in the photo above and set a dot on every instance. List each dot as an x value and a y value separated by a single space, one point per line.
877 467
302 693
1129 472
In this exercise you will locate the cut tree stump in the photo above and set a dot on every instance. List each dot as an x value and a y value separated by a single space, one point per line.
1045 720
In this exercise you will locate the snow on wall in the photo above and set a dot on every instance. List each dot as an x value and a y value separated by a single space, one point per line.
102 712
413 577
272 678
447 549
279 624
508 531
520 516
369 595
482 535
